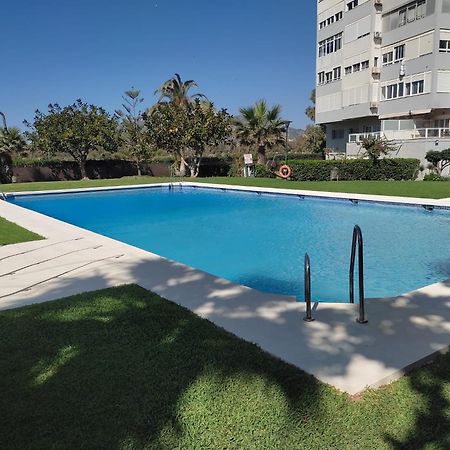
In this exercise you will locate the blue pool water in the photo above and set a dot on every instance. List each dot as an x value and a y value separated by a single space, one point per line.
260 240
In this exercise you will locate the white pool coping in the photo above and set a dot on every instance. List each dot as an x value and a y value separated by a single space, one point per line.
402 332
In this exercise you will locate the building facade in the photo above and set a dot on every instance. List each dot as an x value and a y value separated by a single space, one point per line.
383 68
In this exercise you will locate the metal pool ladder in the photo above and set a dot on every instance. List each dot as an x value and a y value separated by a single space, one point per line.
357 241
308 317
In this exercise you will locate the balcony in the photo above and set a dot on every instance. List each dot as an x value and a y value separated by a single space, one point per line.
403 135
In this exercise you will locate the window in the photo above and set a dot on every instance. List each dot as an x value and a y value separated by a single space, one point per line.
398 90
330 20
399 52
351 5
337 73
414 11
408 89
444 46
392 91
330 45
337 134
442 123
402 17
388 58
411 13
394 56
357 67
421 9
338 42
417 87
328 77
321 77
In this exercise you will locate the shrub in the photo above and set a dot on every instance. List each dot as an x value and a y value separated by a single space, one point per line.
5 167
261 171
356 169
435 177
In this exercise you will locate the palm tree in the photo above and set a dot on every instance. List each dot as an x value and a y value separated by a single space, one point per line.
4 121
12 140
176 91
262 127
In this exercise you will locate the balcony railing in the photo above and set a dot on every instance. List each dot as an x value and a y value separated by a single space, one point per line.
403 135
358 137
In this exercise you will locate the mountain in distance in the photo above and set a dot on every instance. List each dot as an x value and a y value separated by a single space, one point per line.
294 133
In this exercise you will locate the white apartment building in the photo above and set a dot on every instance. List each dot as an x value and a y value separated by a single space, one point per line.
383 67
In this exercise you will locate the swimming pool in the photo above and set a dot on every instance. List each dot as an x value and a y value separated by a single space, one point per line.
259 240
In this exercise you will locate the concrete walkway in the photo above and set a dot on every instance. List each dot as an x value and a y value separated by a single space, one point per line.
401 332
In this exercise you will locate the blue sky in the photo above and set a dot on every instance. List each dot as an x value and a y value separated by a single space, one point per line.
237 50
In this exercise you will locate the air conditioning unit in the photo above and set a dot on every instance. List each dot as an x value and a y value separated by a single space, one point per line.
377 35
376 70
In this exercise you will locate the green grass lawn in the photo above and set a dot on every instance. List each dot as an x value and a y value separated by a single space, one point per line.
10 233
422 189
124 369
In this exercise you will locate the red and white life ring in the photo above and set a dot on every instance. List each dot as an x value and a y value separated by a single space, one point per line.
285 171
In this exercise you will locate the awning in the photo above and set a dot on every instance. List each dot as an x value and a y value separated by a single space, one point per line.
415 112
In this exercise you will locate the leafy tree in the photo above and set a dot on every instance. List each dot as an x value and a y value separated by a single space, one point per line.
176 91
375 147
134 135
76 129
310 111
187 131
12 140
312 140
261 127
439 160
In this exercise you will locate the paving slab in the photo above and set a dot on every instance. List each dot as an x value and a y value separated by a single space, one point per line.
401 332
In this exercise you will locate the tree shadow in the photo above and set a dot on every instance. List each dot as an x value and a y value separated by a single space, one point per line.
431 428
107 371
134 398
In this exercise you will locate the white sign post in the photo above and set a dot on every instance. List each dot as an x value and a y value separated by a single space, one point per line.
249 166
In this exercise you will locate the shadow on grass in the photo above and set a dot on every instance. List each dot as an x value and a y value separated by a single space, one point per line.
123 368
430 428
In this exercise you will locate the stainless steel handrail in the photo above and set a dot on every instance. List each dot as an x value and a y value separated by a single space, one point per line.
307 270
357 240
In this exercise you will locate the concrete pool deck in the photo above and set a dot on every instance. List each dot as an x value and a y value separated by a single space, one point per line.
401 332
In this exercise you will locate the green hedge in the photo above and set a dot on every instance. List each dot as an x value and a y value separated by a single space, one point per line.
298 157
435 177
356 169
